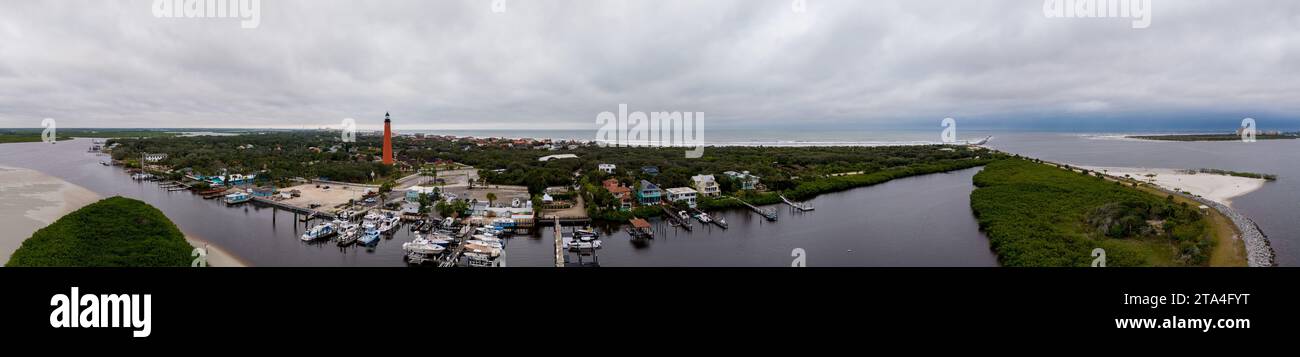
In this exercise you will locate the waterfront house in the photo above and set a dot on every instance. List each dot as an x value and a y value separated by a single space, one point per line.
620 192
745 179
648 194
706 185
607 168
682 194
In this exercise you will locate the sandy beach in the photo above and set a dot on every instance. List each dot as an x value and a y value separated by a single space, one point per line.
1214 187
31 200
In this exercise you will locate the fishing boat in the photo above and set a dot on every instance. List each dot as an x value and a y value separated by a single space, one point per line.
349 235
704 218
323 230
369 237
387 224
237 198
684 216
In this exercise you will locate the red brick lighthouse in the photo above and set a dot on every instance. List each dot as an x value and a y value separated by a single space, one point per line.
388 140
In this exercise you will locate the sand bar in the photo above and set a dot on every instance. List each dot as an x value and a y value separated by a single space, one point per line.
1214 187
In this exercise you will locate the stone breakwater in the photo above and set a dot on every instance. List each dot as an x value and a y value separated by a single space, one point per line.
1259 253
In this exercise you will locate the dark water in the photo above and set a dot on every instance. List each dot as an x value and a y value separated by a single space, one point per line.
1275 207
917 221
920 221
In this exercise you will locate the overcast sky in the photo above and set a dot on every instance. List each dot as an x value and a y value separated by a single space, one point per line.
557 64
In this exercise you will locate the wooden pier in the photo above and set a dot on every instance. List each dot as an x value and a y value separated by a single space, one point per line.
559 245
801 206
770 215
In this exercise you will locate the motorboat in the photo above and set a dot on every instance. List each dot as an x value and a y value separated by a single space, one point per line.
369 237
571 244
422 246
491 244
704 218
323 230
684 216
237 198
387 224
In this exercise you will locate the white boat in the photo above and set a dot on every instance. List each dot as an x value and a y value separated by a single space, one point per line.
704 218
476 249
387 225
496 245
322 230
237 198
422 246
370 237
571 244
373 216
685 217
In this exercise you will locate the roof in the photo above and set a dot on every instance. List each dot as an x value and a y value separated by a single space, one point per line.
640 223
703 178
681 190
647 185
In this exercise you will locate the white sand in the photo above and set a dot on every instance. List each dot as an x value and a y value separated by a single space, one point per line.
217 257
1218 188
31 200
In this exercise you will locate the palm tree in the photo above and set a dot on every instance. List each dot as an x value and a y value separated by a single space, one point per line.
491 197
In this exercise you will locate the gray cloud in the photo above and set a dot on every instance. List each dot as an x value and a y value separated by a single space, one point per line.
552 63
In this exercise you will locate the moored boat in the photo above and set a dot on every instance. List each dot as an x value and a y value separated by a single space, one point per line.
323 230
237 198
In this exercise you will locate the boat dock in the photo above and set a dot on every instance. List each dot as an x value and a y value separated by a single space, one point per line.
801 206
559 245
714 220
672 216
769 214
310 213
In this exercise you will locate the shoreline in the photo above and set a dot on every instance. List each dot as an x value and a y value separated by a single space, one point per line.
34 200
1214 187
1214 191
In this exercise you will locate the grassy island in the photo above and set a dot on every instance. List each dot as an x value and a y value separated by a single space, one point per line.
1037 214
114 232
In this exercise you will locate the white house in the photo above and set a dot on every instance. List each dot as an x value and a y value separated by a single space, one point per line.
607 168
682 194
706 185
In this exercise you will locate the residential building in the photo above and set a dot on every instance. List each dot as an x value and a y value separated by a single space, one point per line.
706 185
682 194
649 194
745 179
607 168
